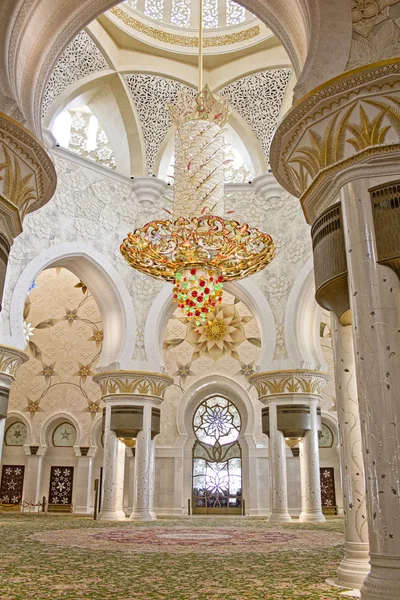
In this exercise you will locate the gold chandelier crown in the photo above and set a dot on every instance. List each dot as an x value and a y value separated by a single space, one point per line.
203 106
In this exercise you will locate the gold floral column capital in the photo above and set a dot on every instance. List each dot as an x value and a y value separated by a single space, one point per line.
348 127
276 383
133 383
27 175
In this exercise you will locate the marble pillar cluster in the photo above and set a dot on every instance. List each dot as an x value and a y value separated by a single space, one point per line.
131 420
291 414
10 360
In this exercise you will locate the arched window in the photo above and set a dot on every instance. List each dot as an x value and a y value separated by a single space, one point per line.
16 434
217 464
325 437
64 435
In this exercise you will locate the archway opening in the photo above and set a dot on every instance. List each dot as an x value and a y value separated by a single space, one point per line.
217 458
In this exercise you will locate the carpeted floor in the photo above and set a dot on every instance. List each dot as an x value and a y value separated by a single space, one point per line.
60 557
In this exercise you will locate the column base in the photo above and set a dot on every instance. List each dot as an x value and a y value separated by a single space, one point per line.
312 517
383 581
355 566
279 516
143 515
111 515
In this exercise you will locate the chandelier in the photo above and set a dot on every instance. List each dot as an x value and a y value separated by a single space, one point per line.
198 250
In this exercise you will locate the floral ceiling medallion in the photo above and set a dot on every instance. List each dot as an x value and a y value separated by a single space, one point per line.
198 249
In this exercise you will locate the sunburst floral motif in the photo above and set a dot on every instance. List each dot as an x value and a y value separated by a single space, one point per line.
221 335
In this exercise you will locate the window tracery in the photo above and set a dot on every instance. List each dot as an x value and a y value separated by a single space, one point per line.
210 14
217 468
80 131
235 14
154 9
180 13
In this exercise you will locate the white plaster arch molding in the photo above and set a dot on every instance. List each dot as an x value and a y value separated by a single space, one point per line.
302 321
52 422
95 433
107 287
246 290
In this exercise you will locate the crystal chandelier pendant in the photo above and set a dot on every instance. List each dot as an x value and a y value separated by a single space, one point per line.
197 291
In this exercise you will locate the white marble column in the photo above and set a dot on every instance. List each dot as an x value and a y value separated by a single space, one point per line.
355 565
113 475
33 480
84 495
143 509
2 431
375 306
129 480
311 508
277 461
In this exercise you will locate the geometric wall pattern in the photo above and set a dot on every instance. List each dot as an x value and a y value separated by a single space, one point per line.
64 332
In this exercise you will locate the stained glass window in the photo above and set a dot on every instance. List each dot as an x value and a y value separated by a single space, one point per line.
16 434
154 9
217 421
235 14
180 13
64 435
210 13
217 465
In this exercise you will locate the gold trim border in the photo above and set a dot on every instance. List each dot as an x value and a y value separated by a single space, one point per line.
182 40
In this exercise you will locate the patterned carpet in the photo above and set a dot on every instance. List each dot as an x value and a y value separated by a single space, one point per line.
60 557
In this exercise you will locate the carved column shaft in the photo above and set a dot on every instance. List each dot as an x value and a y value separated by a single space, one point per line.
355 565
113 474
311 509
375 304
277 458
144 471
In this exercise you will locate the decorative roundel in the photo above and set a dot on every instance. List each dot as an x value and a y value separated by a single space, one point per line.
16 434
64 435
